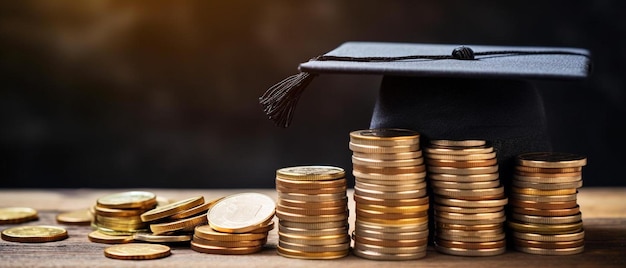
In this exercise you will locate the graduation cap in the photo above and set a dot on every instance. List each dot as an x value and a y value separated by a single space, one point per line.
446 91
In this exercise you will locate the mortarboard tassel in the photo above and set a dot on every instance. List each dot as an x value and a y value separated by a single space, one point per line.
280 100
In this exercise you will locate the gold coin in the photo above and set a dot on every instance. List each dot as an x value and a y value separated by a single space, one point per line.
459 143
14 215
314 240
464 227
466 210
134 220
390 170
289 183
310 219
556 252
459 150
385 137
463 171
314 226
462 164
470 222
137 251
311 173
537 178
241 213
470 203
466 157
547 220
547 212
230 244
548 186
548 245
464 194
415 221
308 204
545 228
160 228
100 237
366 161
470 245
391 188
363 213
34 234
547 170
332 190
412 194
391 236
194 210
464 178
312 211
316 249
374 149
206 232
390 250
104 230
383 177
114 212
171 209
578 235
543 205
373 255
391 229
77 217
393 209
471 217
389 183
465 185
152 238
549 175
313 232
394 156
478 238
551 160
544 198
390 202
531 191
126 200
311 255
471 252
311 197
224 250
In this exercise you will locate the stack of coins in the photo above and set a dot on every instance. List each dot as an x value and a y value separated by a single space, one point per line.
390 195
313 212
468 198
545 216
238 224
174 222
120 213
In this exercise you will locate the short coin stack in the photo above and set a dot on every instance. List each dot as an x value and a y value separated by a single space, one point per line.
390 195
313 212
545 216
238 224
469 199
120 213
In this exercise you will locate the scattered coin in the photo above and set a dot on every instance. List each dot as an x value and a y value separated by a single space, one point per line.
77 217
34 234
137 251
14 215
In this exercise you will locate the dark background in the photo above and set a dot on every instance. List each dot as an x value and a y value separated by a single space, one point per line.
164 93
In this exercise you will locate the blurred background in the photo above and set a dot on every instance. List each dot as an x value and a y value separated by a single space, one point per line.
102 93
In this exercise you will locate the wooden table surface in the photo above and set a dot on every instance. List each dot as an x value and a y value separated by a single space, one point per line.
603 210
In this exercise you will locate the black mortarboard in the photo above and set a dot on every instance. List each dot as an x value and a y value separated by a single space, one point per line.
447 91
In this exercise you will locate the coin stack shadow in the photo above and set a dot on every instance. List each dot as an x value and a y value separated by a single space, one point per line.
468 198
390 194
545 217
313 212
119 214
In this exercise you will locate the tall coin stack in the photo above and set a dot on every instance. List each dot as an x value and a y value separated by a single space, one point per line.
545 216
468 198
313 212
390 195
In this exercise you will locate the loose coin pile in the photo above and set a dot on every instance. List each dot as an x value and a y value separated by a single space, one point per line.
468 198
313 212
390 195
176 221
119 213
545 216
15 215
238 224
